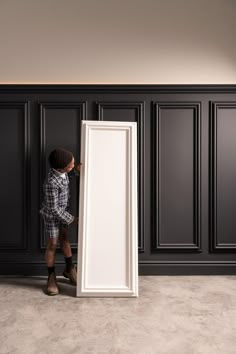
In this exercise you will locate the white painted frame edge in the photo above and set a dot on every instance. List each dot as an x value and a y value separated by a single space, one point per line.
132 242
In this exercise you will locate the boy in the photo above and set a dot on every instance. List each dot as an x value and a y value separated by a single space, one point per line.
56 215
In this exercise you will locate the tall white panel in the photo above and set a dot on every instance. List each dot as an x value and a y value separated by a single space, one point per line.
108 242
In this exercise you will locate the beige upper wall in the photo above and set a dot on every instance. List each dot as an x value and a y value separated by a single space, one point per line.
118 42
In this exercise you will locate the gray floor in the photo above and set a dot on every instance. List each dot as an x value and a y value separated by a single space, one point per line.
173 315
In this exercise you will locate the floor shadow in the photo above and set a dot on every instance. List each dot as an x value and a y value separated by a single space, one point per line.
39 283
24 281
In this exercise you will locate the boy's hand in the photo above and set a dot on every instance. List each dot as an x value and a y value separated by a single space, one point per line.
78 166
75 221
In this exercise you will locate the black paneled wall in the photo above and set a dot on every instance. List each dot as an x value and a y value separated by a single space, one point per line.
186 170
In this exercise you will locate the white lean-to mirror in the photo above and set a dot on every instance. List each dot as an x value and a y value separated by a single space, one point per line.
108 228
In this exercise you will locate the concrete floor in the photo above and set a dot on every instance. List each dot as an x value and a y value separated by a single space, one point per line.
173 315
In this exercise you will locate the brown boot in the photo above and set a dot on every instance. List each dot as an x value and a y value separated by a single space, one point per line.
72 275
52 288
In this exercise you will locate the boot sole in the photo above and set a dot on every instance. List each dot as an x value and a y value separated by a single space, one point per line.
66 276
51 293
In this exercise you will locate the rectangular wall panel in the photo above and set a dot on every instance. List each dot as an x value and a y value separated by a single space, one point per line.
108 244
15 176
223 176
60 127
177 161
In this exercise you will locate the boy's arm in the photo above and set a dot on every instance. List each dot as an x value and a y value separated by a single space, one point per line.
75 172
51 195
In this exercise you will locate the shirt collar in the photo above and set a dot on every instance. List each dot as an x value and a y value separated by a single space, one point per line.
62 175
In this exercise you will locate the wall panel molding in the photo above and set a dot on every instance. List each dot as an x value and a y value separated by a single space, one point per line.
220 202
24 108
115 88
145 268
44 107
157 218
185 133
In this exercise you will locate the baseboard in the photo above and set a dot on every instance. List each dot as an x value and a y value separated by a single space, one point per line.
145 268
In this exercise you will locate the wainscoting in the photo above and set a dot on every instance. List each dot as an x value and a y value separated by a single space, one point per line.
186 170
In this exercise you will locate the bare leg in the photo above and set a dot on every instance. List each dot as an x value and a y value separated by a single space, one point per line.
70 270
65 244
51 251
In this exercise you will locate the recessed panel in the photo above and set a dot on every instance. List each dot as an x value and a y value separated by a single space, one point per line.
60 127
177 176
223 176
14 172
108 264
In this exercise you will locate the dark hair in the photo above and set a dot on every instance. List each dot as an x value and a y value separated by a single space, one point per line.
60 158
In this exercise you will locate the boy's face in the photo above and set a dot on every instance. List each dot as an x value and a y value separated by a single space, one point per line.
69 167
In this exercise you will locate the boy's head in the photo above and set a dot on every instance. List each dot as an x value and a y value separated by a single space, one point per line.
61 160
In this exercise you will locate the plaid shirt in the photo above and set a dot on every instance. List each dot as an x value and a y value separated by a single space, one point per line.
56 198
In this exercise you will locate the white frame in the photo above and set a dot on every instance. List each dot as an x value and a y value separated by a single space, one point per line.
108 232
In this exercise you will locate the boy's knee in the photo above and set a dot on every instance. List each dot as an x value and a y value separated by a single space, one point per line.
52 245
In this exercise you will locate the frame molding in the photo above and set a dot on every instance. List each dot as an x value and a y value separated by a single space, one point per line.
42 107
115 88
25 106
215 246
156 244
118 278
